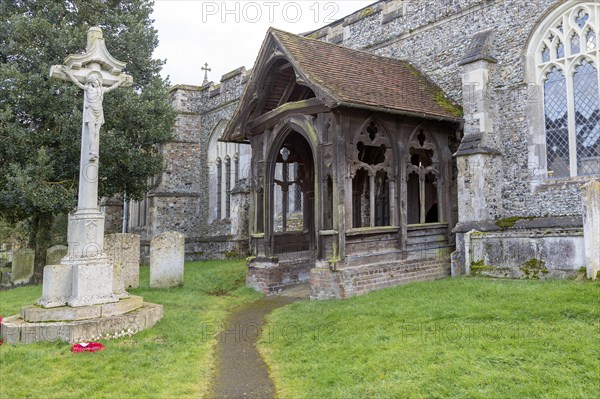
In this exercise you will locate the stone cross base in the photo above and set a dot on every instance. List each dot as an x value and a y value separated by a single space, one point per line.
85 276
80 324
78 284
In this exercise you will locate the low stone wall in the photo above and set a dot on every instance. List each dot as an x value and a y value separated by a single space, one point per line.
269 276
359 280
525 253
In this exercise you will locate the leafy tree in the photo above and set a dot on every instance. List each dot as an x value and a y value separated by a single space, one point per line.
40 118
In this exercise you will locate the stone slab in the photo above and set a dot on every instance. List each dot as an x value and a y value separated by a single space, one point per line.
56 289
167 258
16 330
67 313
39 314
123 306
55 253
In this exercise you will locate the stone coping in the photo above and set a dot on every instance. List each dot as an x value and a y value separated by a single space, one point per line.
67 313
549 222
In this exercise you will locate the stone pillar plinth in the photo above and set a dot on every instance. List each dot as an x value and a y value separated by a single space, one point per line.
591 227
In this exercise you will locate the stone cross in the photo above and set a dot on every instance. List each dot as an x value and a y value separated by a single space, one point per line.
206 70
84 276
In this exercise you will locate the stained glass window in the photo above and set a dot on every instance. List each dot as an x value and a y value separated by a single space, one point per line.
227 187
575 44
591 40
571 91
219 187
546 54
557 130
582 18
560 50
587 118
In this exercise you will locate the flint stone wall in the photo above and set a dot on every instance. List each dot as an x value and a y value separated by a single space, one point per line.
434 35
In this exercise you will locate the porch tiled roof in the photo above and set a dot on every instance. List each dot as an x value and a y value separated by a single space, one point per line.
357 78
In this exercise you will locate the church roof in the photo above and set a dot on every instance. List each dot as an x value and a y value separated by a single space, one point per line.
344 77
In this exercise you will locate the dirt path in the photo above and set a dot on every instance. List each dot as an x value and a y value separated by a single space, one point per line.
241 371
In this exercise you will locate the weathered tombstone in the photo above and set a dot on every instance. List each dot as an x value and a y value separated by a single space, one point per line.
123 250
22 266
167 260
55 253
5 273
591 227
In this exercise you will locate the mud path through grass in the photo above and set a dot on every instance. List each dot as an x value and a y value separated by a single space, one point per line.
240 370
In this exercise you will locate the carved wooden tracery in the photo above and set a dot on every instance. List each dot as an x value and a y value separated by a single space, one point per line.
371 161
422 174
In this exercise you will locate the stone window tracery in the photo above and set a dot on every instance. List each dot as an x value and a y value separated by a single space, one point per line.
569 78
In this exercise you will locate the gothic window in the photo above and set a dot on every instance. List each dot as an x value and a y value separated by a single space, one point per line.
575 44
227 164
227 187
546 54
587 118
571 90
422 181
236 168
591 40
219 187
371 184
560 50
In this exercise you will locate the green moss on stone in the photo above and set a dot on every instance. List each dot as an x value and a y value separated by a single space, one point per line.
510 221
447 105
478 267
367 12
533 267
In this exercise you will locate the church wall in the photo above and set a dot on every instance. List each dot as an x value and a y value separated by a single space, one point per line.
182 202
434 35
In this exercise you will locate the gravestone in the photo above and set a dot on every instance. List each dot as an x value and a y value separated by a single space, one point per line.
167 259
124 250
22 266
5 273
591 227
55 253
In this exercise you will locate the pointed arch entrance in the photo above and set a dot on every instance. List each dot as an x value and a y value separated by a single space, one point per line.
290 201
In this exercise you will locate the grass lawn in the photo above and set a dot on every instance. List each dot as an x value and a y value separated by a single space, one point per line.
454 338
171 360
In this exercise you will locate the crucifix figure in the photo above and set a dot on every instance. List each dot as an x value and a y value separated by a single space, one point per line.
206 70
93 113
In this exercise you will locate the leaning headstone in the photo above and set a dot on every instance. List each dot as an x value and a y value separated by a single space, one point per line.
123 251
166 260
22 266
55 253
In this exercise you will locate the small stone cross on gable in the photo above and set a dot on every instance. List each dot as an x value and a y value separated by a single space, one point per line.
206 70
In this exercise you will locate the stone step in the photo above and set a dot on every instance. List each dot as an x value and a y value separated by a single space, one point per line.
15 329
67 313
